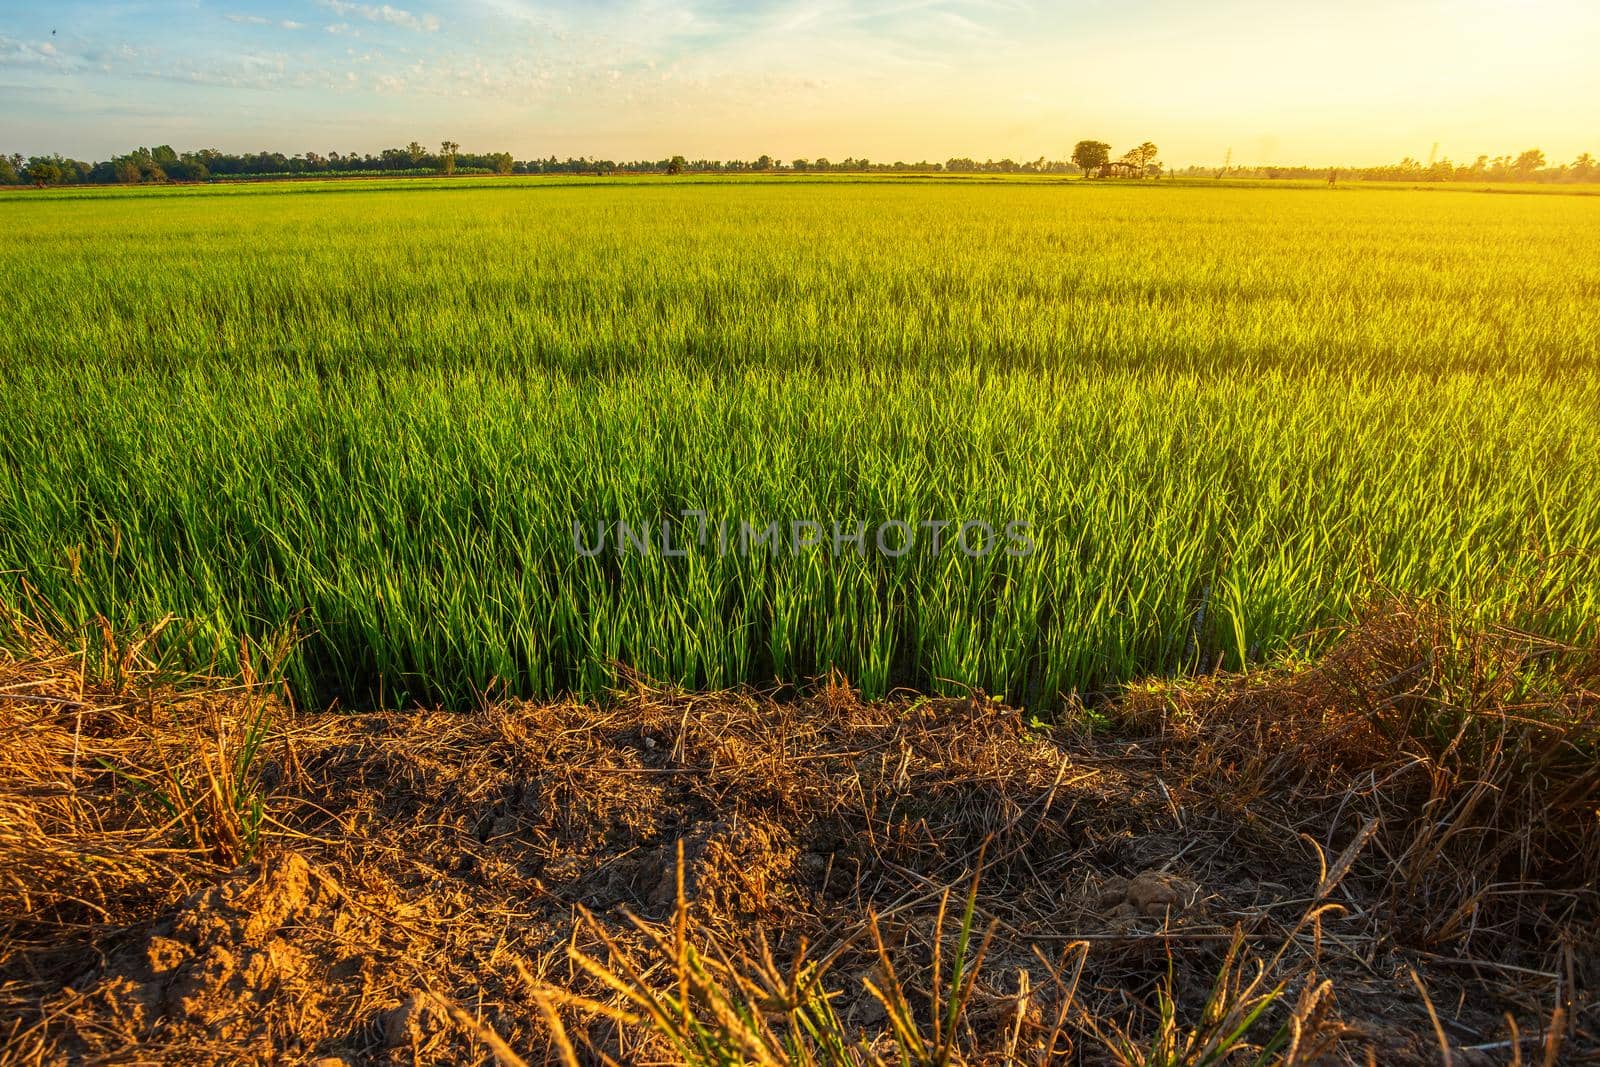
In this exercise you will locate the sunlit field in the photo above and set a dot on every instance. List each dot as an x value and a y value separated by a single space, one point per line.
365 418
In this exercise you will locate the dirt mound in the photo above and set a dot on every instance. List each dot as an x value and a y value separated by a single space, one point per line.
215 968
210 878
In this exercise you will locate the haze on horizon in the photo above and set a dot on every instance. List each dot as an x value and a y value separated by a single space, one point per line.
1357 82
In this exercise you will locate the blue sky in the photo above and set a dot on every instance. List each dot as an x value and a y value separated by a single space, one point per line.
1336 81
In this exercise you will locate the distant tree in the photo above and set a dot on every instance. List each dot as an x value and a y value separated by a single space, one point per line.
415 154
1143 157
677 165
447 156
764 163
187 170
43 172
1091 155
1583 168
1528 163
800 164
150 168
502 162
823 164
8 172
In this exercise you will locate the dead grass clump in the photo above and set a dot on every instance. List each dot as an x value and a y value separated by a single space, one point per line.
1468 755
715 1003
1473 750
118 797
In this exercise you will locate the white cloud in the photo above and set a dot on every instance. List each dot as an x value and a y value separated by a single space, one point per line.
21 53
257 20
384 13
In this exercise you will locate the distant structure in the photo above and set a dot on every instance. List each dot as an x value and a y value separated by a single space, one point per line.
1120 168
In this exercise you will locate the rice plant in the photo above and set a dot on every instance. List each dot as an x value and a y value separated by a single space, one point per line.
367 419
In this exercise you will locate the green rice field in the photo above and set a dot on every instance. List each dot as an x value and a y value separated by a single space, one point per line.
366 416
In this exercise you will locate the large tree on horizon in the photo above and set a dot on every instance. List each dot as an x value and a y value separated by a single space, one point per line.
1091 155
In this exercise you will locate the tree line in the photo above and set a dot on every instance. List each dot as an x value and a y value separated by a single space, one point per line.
163 163
1090 158
1527 166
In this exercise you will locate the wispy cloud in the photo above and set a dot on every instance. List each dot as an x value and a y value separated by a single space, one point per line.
383 13
29 54
258 20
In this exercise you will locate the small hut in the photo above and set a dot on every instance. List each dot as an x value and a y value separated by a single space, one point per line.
1120 168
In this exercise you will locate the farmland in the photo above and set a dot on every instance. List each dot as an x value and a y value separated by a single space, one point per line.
799 622
366 418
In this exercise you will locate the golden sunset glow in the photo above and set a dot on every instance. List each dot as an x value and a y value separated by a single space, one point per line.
1276 82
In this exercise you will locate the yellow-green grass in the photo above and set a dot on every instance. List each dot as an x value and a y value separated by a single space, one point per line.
372 411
